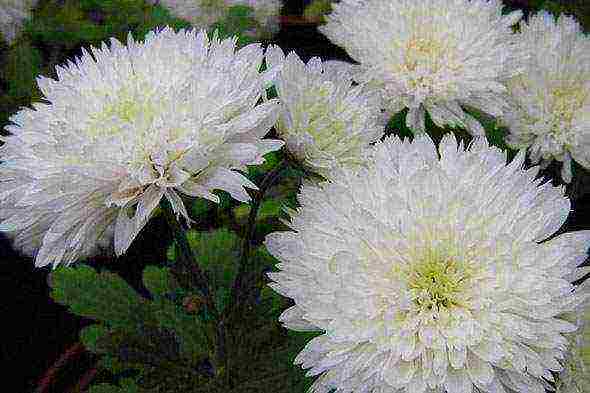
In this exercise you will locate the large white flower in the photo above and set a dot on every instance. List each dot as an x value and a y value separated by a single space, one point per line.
125 128
550 113
431 55
326 122
428 275
12 14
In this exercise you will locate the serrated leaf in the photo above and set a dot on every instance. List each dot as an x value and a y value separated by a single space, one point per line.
157 280
102 296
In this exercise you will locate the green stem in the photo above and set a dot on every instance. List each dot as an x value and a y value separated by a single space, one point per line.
241 285
186 269
189 275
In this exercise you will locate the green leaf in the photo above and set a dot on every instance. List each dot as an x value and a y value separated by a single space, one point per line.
317 8
102 296
127 385
201 207
22 67
217 253
189 330
90 335
157 280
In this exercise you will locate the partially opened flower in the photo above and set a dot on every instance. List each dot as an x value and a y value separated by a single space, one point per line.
550 113
435 56
176 113
325 122
12 15
427 274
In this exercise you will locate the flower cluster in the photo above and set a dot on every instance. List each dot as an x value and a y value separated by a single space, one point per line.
425 268
12 14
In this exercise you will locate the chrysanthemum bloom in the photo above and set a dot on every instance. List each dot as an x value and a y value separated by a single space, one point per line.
12 14
325 122
428 275
125 128
431 55
550 114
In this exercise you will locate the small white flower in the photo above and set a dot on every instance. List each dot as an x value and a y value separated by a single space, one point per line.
325 122
427 274
12 14
125 128
550 114
434 56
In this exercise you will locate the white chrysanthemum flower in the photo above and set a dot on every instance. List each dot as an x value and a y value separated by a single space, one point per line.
551 110
325 122
431 55
125 128
12 14
427 275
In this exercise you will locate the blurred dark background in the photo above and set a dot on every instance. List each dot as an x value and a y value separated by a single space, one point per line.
36 331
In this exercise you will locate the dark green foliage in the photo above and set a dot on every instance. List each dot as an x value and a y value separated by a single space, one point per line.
217 253
102 296
126 385
237 21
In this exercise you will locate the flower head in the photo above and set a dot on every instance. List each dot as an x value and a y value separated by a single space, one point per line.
427 274
326 122
12 14
431 55
124 127
550 113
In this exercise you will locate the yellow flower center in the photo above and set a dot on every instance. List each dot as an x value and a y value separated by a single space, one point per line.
566 101
436 283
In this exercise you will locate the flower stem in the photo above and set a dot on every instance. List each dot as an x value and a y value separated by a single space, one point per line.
242 282
186 270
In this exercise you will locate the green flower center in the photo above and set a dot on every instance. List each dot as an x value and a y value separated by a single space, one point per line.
438 283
